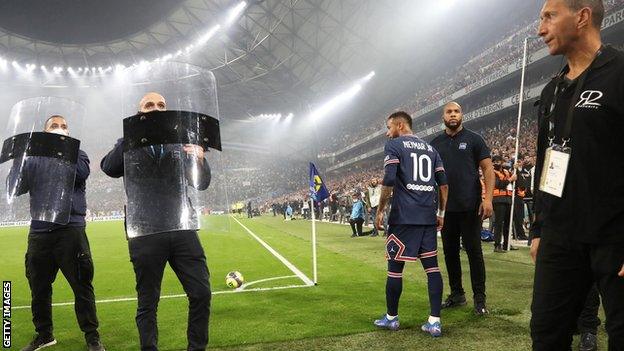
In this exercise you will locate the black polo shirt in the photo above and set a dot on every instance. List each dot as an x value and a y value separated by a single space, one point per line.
461 155
591 209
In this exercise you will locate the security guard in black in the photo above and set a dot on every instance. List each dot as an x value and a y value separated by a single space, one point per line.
582 232
588 211
463 152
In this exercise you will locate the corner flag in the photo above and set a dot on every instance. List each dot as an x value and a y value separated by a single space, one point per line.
318 190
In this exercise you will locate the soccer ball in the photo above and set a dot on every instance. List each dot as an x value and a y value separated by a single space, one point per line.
234 279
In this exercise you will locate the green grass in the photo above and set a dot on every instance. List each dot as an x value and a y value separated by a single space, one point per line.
335 315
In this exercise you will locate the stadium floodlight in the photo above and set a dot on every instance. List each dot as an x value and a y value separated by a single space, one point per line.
235 12
72 72
341 98
336 101
289 118
369 76
30 68
206 37
268 116
232 16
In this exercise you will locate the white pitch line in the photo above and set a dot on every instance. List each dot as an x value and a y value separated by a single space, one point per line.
277 255
221 292
242 287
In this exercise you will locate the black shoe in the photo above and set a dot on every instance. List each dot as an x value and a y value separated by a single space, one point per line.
95 346
589 342
40 342
511 248
499 249
353 235
374 235
454 301
480 309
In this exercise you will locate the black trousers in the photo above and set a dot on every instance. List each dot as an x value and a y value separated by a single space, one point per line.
66 249
518 225
183 251
356 222
502 211
564 274
588 321
464 227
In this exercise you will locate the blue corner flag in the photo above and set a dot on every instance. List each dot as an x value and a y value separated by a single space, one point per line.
318 190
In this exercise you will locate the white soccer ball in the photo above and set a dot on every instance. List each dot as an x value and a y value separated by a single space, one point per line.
234 279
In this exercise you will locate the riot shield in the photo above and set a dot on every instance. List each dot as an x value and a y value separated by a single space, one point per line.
39 163
169 147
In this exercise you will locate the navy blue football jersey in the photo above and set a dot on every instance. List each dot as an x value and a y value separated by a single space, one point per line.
410 167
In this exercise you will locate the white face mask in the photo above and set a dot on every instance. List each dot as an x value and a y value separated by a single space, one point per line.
59 131
355 200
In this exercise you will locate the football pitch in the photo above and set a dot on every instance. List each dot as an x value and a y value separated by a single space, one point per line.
278 309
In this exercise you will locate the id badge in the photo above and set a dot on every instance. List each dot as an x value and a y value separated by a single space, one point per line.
554 170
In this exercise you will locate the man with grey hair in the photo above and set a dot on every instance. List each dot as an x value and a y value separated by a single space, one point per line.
579 224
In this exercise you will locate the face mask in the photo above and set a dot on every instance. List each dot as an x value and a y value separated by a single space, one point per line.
59 131
355 200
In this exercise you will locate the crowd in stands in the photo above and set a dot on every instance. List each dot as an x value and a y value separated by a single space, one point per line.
504 52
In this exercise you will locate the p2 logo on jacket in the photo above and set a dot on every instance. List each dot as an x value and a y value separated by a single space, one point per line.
588 99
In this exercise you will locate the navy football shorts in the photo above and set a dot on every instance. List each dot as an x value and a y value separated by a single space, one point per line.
410 242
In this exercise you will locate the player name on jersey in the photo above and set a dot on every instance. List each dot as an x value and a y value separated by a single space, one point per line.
409 144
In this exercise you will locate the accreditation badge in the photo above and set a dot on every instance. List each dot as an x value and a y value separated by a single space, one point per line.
554 170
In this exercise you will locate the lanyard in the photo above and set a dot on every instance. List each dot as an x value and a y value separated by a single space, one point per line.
567 129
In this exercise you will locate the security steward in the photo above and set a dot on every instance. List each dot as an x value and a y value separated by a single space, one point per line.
182 249
579 226
463 152
502 203
54 246
523 195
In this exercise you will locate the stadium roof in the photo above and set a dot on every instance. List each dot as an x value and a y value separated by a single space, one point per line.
279 56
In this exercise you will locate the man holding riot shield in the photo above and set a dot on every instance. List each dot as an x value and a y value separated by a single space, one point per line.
51 168
162 160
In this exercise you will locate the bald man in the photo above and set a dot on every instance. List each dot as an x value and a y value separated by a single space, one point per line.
463 152
180 248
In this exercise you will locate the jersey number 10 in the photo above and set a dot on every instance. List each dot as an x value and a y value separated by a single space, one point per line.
422 164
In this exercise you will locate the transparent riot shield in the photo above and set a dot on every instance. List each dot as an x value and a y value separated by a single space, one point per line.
171 149
38 158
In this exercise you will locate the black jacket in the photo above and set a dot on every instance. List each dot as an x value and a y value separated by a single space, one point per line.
591 209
